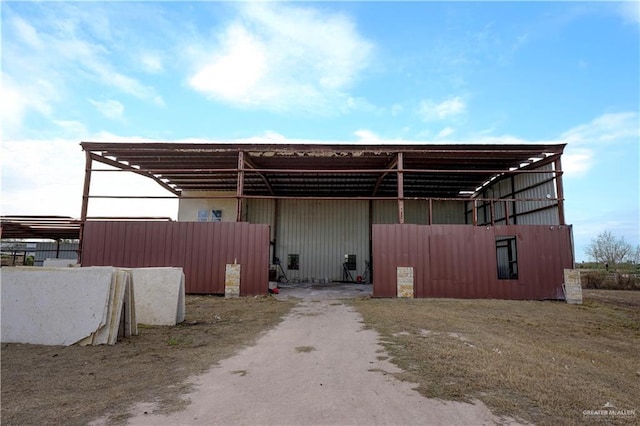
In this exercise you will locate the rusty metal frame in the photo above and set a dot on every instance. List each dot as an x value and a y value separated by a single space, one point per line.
184 163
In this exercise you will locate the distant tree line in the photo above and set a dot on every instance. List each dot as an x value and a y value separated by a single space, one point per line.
612 251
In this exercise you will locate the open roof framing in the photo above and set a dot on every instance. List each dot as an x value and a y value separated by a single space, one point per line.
336 171
40 227
309 171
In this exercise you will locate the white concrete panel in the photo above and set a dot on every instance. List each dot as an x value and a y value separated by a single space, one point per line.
52 306
159 295
181 302
59 263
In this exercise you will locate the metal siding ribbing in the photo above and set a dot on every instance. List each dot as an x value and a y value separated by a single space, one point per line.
527 185
385 211
202 249
460 261
416 212
53 250
448 212
321 232
534 186
261 211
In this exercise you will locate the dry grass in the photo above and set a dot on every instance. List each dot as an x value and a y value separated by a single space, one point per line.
72 385
542 362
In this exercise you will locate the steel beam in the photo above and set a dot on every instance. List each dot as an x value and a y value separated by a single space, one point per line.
400 188
129 168
559 190
240 186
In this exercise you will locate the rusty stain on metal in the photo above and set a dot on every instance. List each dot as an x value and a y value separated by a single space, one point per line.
202 249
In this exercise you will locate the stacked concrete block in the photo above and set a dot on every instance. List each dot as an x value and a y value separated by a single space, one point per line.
572 287
232 281
404 276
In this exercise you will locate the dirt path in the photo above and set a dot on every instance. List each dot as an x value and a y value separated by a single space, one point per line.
319 366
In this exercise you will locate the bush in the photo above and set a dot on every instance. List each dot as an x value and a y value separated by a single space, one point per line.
609 281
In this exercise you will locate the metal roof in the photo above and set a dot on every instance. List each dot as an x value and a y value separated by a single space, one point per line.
40 227
308 170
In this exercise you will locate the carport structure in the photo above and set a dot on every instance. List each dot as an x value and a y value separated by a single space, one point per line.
310 195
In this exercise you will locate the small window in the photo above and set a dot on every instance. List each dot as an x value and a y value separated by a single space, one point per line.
293 262
507 256
216 215
350 262
203 215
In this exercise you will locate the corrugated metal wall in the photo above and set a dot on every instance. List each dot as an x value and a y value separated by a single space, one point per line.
321 232
386 211
202 249
262 211
460 261
51 250
417 212
527 185
448 212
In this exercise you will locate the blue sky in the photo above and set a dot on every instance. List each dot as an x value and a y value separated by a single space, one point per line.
306 72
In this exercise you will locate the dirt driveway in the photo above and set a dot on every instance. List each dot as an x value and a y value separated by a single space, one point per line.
319 366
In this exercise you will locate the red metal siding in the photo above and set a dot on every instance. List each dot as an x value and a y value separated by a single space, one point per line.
202 249
459 261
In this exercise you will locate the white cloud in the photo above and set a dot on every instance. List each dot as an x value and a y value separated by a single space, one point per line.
396 109
451 107
42 177
151 62
447 131
607 128
48 59
281 57
110 108
584 140
17 100
235 74
367 136
629 11
577 162
27 33
71 128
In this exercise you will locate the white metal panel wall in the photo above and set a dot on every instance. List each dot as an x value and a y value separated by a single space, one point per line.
321 232
188 208
417 212
527 185
448 212
534 212
385 212
261 211
51 250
